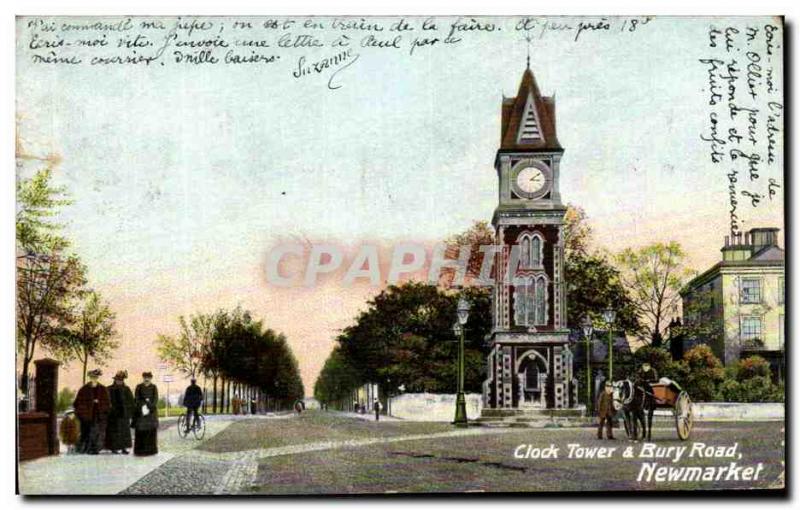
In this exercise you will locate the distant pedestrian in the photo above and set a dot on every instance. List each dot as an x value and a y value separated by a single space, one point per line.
70 430
377 407
118 432
146 417
91 406
298 406
606 412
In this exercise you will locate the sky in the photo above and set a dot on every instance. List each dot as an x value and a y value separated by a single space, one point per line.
184 177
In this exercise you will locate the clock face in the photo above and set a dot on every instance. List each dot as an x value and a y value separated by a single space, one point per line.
532 182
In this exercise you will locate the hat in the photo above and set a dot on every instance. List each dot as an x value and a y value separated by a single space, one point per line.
122 374
95 373
69 410
147 375
609 384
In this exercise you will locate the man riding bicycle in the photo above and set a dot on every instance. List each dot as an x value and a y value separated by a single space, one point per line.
192 400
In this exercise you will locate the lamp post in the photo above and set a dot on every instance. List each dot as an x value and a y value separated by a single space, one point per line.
458 329
609 315
588 329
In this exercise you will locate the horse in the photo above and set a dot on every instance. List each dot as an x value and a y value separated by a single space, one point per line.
638 406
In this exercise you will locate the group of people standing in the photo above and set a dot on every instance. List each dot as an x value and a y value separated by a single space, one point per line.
106 415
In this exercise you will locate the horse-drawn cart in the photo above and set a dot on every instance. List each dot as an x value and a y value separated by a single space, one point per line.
671 395
638 405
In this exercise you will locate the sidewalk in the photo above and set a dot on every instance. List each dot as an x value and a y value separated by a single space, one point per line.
365 416
110 474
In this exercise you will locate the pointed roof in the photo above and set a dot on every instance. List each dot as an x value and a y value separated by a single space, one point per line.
529 119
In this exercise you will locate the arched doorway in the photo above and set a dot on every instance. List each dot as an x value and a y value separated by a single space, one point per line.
532 380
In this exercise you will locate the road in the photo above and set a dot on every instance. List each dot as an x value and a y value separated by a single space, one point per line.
327 452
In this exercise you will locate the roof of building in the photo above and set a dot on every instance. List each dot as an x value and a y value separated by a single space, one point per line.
538 122
768 256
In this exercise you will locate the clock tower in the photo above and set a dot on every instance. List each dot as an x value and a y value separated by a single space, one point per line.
530 364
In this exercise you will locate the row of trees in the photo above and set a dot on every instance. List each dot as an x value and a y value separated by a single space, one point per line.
56 308
237 354
404 337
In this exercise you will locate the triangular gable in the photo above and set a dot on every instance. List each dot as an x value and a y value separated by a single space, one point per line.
530 130
528 120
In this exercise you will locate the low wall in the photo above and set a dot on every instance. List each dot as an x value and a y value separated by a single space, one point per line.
735 411
33 435
433 406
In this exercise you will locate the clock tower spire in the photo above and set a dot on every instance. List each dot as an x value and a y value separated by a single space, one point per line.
530 365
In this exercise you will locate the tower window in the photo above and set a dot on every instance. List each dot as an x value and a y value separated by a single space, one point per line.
531 252
536 251
530 302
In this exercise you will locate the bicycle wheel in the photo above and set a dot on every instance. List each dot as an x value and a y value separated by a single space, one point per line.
200 428
182 426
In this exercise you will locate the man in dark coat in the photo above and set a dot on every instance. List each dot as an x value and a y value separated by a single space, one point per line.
606 411
92 405
118 432
192 400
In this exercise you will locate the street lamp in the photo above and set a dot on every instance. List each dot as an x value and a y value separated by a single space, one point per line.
610 315
588 329
458 328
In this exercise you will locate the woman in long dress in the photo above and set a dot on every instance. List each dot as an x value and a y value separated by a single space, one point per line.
118 433
146 417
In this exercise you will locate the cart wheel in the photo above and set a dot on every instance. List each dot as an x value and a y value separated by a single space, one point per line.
683 415
182 425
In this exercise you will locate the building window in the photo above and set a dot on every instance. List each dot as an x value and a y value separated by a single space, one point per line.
751 291
750 330
530 302
781 291
781 322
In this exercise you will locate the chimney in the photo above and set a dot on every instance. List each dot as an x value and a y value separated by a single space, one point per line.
761 238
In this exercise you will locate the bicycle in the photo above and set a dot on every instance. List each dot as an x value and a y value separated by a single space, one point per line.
198 428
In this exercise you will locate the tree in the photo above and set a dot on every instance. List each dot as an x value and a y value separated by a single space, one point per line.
242 352
336 379
47 277
595 285
185 351
405 338
653 276
46 284
38 202
64 400
478 235
703 373
577 232
91 335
